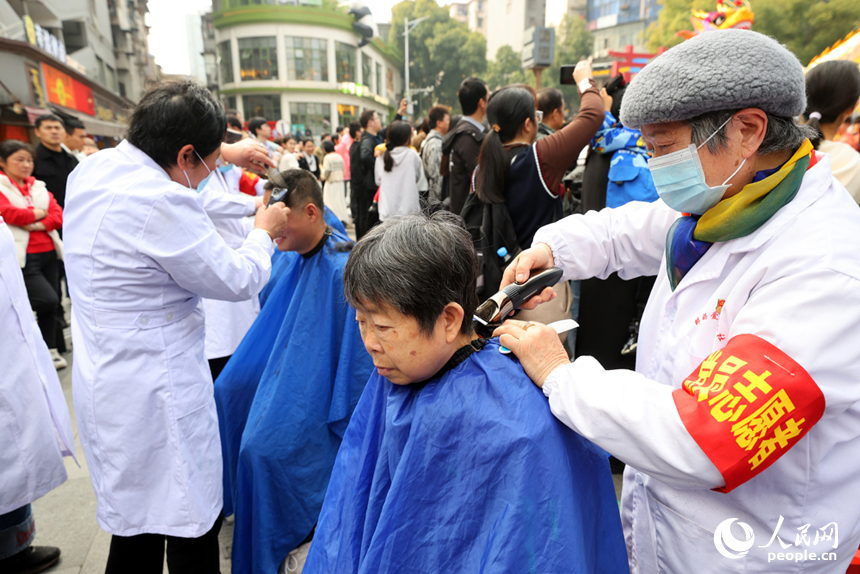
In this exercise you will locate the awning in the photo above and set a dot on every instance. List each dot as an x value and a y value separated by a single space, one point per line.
33 113
96 126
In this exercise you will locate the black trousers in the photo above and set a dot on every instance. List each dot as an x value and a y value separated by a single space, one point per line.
144 553
41 279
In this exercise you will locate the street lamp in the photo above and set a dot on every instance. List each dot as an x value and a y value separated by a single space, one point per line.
406 28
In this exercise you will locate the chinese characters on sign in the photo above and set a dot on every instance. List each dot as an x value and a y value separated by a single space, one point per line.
38 36
68 92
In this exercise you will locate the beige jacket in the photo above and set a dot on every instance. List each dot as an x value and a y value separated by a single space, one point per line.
40 197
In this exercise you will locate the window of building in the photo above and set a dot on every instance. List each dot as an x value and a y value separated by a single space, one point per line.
268 106
310 116
480 22
307 59
122 89
258 58
379 79
225 62
100 68
346 114
229 102
344 60
367 71
111 78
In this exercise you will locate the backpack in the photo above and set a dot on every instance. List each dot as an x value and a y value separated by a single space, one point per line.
492 229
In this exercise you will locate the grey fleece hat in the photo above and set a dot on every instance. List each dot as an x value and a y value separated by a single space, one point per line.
720 70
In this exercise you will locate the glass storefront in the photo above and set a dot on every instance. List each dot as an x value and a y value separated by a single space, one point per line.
258 58
307 59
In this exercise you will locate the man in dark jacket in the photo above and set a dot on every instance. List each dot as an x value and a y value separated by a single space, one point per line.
361 167
52 164
463 143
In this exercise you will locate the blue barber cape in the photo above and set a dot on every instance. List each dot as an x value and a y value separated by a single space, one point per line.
470 473
284 401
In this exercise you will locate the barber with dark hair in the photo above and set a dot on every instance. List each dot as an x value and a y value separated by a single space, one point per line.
141 252
363 164
461 146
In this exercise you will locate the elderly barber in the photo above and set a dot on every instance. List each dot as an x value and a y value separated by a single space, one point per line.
740 424
140 253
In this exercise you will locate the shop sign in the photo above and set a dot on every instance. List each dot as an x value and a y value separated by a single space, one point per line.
38 36
68 92
35 80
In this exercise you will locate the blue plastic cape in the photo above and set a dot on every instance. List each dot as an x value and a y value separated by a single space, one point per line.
332 220
470 474
284 401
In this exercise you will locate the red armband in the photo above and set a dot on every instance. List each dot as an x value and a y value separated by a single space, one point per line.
248 183
746 405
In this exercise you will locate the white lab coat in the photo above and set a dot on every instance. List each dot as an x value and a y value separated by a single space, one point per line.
35 430
795 282
140 252
229 209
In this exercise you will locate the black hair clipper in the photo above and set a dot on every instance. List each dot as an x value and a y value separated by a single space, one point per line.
492 312
280 193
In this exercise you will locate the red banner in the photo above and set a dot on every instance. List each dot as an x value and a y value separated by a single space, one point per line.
747 405
68 92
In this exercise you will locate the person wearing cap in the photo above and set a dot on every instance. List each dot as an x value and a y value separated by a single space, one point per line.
739 425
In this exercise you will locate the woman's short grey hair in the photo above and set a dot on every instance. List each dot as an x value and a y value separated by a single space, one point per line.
416 264
782 134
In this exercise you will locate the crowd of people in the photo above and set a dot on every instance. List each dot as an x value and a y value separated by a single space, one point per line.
241 350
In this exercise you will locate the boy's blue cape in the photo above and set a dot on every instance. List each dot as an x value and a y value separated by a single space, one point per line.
284 401
470 473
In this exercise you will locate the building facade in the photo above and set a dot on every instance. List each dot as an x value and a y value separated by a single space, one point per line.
301 67
619 23
509 19
472 13
82 59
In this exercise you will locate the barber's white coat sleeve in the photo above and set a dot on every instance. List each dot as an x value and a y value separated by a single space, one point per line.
220 205
180 237
629 240
631 417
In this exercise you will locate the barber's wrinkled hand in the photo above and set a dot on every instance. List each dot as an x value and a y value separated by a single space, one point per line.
272 218
536 346
247 153
519 270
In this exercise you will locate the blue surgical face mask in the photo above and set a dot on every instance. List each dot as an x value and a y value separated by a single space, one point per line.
202 184
680 180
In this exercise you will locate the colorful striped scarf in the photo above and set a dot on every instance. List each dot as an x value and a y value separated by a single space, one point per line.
691 236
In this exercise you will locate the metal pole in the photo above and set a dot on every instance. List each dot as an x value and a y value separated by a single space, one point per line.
408 92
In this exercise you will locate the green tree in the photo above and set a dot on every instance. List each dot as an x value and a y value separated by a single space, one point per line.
506 69
442 51
806 27
573 42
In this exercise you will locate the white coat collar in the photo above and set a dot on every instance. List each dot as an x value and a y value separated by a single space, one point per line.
817 181
139 157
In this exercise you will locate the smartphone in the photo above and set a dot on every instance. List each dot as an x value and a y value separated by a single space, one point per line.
566 76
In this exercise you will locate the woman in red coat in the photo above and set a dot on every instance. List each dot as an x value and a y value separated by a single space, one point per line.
33 216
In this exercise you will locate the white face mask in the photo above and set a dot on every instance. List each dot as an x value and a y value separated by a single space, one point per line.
188 179
680 179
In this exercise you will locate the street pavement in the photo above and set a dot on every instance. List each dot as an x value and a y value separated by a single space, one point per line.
66 516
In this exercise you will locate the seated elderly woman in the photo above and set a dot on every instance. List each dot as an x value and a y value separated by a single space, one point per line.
438 469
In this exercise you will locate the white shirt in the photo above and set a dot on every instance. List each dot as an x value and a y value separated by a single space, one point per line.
35 430
399 188
795 282
140 253
846 165
230 211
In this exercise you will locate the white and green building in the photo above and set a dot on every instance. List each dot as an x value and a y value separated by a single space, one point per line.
301 64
